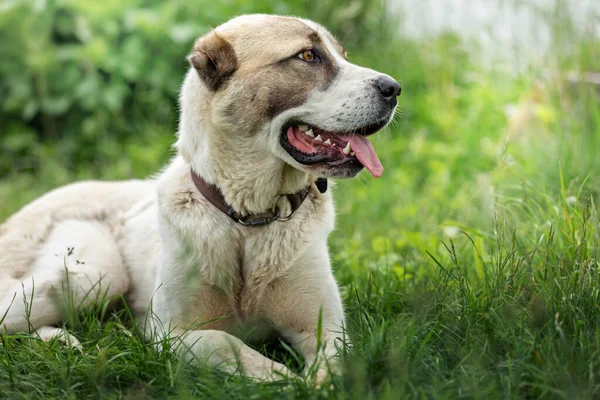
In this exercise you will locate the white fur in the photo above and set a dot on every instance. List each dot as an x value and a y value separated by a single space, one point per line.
211 283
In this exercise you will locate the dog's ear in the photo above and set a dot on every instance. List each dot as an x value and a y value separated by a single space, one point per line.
214 59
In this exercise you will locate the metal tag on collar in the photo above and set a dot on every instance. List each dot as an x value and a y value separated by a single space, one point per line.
276 210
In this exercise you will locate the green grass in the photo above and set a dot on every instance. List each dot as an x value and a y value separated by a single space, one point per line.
469 270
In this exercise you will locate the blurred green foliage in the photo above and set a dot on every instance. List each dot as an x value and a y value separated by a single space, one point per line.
81 79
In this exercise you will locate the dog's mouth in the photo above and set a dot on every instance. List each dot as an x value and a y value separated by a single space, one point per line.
311 145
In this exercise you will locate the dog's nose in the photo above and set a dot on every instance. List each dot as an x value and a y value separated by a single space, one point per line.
388 87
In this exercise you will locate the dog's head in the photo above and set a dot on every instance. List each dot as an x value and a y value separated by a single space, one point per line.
281 87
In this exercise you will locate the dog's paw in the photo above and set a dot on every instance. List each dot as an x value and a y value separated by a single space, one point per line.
47 333
321 377
275 372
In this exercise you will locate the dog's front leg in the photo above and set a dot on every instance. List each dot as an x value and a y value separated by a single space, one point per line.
304 302
227 353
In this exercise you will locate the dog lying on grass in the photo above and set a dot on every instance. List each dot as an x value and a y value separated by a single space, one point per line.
230 241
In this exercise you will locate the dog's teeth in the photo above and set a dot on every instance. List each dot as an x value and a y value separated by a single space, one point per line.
327 141
352 154
309 133
347 149
319 138
303 128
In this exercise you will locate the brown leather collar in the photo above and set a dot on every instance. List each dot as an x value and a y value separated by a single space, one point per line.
213 194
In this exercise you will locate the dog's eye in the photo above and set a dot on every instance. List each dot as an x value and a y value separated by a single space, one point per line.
307 55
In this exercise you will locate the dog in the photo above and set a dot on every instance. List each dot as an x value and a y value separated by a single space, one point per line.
228 244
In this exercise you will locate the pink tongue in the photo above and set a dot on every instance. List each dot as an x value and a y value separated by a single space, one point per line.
366 155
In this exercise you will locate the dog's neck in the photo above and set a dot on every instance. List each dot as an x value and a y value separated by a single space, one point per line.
251 185
250 180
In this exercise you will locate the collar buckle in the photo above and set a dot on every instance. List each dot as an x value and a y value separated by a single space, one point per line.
252 220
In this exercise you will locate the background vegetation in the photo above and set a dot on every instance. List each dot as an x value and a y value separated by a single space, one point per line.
470 269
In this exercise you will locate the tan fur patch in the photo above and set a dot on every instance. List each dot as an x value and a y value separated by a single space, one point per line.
222 315
270 78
